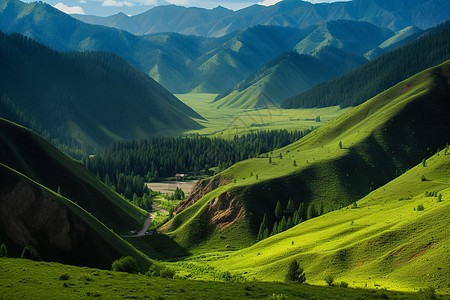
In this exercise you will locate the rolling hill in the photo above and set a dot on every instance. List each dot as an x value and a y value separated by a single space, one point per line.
366 81
395 15
84 99
287 75
329 168
385 241
51 204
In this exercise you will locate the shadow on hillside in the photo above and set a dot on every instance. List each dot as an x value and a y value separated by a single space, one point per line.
159 246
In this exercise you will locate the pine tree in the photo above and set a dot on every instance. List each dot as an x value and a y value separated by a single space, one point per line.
263 227
3 251
274 228
295 163
278 210
340 144
290 208
26 253
282 226
295 273
312 212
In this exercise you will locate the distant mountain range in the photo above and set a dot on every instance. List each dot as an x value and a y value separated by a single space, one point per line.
84 99
394 14
362 83
188 63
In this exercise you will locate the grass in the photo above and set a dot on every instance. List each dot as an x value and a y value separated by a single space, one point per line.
21 278
374 151
228 122
383 243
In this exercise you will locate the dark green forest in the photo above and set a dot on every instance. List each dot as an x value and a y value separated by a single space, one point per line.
126 165
83 100
365 82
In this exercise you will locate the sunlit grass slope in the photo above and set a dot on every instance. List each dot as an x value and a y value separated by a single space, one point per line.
226 122
54 227
38 280
31 155
386 241
380 140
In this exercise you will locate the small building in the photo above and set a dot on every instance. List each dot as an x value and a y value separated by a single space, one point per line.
180 176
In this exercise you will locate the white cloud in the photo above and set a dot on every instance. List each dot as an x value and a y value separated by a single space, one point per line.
83 1
269 2
117 3
69 9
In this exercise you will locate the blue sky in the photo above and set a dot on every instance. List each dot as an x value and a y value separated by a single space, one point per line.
133 7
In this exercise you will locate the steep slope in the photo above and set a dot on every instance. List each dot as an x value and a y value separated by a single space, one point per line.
287 75
185 63
361 84
55 228
331 167
34 157
89 99
385 241
402 37
356 37
395 15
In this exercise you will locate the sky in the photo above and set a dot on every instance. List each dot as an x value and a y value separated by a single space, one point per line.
133 7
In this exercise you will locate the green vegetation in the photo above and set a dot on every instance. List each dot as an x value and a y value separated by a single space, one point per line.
367 81
288 75
327 178
41 90
125 264
41 280
295 273
382 244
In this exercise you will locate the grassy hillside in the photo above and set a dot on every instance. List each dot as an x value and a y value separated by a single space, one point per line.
86 99
286 76
34 157
386 241
367 81
316 170
54 228
24 278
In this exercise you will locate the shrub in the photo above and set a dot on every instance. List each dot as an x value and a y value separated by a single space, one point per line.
278 297
329 280
423 178
64 276
428 293
343 284
420 207
125 264
3 251
295 273
26 253
167 273
157 270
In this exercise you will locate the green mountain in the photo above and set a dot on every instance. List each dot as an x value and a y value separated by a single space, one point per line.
51 204
330 168
360 84
287 75
396 15
187 63
86 99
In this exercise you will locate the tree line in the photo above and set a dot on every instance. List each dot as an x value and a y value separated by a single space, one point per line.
125 166
365 82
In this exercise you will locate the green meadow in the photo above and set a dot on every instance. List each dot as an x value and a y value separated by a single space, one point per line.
227 122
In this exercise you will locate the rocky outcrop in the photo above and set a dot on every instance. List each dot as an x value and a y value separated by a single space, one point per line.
202 188
31 219
225 210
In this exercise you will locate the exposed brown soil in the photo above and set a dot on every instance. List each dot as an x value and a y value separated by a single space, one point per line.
26 214
201 188
225 210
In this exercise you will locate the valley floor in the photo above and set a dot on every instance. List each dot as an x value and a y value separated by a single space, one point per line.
227 122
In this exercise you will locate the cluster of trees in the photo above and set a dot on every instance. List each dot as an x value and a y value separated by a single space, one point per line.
288 217
178 194
365 82
127 165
